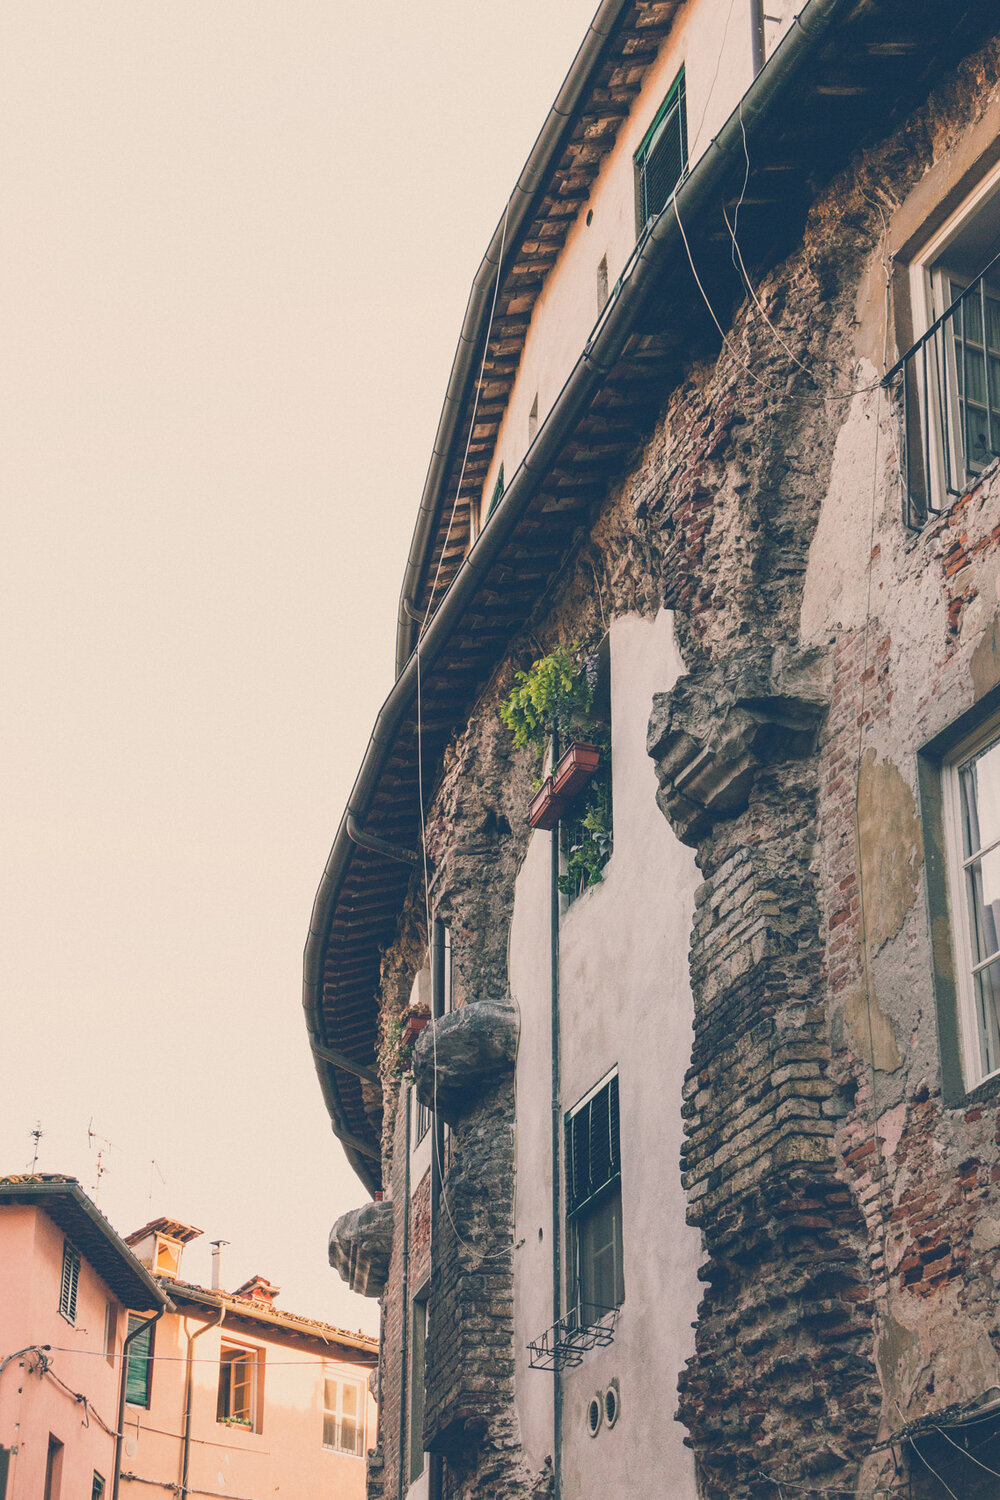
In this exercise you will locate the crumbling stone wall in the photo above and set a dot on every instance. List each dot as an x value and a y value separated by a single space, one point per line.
851 1220
818 1148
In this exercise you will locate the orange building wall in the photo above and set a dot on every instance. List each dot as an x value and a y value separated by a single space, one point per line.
285 1457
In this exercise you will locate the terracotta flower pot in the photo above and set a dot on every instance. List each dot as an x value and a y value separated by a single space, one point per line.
414 1026
575 769
545 808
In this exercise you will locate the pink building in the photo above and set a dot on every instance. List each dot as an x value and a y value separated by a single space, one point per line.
232 1396
71 1289
119 1379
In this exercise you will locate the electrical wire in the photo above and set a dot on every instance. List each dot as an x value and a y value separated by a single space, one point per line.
970 1456
197 1360
828 1489
929 1466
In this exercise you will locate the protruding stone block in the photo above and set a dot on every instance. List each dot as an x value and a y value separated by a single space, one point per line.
471 1047
361 1246
711 734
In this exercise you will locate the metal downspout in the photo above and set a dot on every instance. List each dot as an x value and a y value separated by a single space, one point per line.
556 1134
188 1393
435 1462
122 1379
404 1347
757 35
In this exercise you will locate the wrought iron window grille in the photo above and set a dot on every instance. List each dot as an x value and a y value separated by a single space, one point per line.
946 391
586 1326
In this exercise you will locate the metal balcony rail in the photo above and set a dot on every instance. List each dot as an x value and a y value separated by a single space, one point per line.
946 391
564 1344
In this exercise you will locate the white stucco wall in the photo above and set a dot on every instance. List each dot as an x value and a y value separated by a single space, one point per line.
625 1001
711 40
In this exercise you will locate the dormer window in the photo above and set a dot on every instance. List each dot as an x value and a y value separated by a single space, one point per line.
167 1258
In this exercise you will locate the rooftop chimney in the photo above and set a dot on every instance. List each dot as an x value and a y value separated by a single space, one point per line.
258 1289
216 1263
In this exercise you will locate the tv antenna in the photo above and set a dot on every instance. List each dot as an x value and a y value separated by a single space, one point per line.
104 1146
36 1136
154 1166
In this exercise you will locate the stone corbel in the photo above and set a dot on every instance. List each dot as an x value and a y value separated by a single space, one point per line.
472 1047
713 732
361 1246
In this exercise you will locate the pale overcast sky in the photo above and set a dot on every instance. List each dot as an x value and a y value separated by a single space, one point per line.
236 242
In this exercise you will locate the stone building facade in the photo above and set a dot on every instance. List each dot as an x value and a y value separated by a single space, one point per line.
765 480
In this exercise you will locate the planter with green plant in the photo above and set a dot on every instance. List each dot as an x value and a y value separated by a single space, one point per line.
553 701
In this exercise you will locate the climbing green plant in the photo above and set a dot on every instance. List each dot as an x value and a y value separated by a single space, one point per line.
587 835
555 693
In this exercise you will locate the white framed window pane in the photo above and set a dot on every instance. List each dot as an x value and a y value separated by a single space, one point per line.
988 1008
599 1237
984 900
980 784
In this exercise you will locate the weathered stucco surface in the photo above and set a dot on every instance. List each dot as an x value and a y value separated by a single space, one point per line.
625 1001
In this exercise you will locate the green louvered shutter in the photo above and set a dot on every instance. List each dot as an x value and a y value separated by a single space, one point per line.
70 1282
139 1355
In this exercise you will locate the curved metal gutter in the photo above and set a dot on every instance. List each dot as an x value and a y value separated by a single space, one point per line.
601 353
542 158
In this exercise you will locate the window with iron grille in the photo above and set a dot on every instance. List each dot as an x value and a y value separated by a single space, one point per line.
947 385
70 1284
661 159
594 1201
138 1370
344 1416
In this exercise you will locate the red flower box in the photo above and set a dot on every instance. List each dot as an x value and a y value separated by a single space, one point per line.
575 769
414 1026
545 808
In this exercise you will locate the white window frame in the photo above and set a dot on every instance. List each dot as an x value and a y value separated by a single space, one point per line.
928 301
341 1380
971 1040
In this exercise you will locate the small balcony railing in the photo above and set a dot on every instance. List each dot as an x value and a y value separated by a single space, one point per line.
947 394
584 1327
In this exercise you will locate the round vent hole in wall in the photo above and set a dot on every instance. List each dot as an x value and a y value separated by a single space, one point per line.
612 1404
595 1414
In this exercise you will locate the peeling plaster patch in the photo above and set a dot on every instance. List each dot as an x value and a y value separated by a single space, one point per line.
880 1042
947 1359
890 1128
984 664
891 848
897 1353
985 1236
835 593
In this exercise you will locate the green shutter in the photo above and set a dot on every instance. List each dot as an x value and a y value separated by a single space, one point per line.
497 495
139 1354
661 159
70 1282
